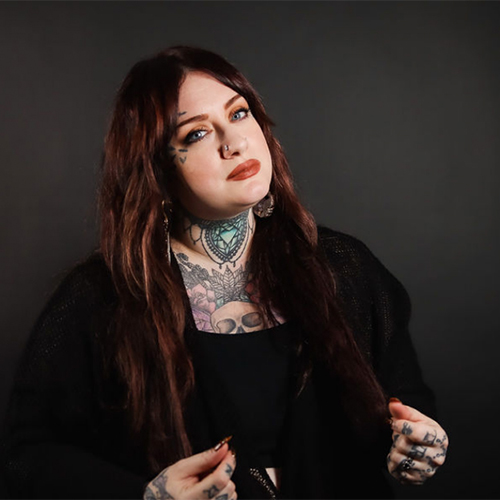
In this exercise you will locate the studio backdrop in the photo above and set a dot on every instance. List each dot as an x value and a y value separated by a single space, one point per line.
389 113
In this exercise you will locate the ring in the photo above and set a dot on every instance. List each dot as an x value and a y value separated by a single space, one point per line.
406 464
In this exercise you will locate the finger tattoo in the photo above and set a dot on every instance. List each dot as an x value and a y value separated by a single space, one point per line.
417 451
407 429
429 438
394 439
212 491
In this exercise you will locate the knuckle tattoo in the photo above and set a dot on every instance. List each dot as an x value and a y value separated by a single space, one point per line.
407 429
417 451
212 491
430 438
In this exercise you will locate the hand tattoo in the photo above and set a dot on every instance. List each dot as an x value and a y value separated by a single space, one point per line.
430 438
212 491
417 451
160 484
407 429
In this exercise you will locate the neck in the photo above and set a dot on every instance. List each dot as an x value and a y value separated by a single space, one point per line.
225 241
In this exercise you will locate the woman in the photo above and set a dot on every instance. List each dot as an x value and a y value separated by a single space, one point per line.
216 311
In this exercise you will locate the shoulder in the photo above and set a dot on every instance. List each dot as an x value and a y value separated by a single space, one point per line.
344 249
81 303
352 260
89 280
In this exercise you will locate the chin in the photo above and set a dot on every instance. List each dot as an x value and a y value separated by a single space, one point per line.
255 191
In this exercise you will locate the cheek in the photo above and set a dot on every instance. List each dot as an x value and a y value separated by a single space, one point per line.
197 177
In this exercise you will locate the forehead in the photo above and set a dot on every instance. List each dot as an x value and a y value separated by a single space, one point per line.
199 92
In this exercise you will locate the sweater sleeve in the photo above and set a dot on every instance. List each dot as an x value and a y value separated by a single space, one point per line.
54 442
379 310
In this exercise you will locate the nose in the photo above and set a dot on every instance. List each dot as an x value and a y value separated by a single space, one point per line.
233 145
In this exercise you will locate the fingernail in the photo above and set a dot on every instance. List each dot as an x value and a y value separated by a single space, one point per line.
233 451
394 400
388 421
220 444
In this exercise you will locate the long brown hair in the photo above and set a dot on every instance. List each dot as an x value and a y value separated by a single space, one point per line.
287 265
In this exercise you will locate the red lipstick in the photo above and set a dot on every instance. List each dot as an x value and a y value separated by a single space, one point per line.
244 170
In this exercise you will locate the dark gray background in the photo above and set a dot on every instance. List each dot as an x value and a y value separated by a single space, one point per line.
389 114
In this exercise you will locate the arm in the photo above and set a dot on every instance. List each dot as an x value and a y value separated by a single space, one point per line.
378 309
380 315
55 441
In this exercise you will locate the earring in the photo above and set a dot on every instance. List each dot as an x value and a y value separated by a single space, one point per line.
265 206
166 226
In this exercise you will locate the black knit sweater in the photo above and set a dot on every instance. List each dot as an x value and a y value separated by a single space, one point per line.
60 441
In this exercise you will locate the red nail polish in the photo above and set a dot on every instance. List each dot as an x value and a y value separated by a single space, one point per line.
220 444
395 400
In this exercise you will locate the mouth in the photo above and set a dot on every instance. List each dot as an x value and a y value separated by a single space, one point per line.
244 170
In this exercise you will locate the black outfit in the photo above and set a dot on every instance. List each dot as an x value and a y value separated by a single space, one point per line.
61 442
254 371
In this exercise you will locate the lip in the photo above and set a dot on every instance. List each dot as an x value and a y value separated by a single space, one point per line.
244 170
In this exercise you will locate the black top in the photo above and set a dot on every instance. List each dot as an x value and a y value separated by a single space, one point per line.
59 441
254 370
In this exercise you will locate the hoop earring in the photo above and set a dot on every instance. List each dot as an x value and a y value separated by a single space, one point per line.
265 206
166 226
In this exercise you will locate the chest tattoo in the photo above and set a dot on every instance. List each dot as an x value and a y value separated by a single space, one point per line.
221 301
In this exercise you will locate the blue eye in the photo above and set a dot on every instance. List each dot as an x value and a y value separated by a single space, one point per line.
195 136
240 114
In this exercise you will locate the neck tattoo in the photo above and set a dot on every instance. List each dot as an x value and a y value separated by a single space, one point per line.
224 241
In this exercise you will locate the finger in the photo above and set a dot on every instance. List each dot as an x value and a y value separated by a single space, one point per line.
421 433
425 456
202 462
406 469
227 493
217 481
400 411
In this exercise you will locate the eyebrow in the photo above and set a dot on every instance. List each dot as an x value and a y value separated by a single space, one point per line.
205 116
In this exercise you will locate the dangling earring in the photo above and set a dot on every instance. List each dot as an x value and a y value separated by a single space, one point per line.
166 226
265 206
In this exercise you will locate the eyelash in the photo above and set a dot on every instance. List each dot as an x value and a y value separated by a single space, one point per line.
189 138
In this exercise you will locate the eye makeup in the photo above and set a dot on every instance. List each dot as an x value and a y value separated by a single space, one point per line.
198 134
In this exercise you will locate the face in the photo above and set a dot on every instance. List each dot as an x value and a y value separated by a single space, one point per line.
223 163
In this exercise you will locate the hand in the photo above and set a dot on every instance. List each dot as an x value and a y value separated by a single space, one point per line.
204 475
419 444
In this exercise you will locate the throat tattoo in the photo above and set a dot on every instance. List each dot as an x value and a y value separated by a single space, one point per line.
224 241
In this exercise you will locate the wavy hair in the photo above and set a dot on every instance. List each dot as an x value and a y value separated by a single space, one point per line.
289 269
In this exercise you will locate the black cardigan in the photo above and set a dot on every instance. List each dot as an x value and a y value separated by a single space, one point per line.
60 442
